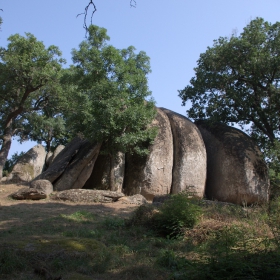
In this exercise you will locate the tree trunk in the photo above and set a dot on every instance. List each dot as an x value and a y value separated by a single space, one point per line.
6 145
112 174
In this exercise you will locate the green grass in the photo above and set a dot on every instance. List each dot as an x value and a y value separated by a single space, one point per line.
223 242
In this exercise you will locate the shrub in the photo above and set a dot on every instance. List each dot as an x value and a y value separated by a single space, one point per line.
176 214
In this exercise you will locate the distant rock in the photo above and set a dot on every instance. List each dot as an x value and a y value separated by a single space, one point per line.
77 172
87 196
29 165
99 178
236 171
190 160
152 175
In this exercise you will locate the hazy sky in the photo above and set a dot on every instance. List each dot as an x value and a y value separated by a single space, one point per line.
172 33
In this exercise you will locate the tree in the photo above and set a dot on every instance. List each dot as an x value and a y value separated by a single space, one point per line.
109 88
28 81
237 81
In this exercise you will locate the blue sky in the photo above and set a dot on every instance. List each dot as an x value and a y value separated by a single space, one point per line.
172 33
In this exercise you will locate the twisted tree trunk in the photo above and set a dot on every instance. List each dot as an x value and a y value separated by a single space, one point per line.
6 145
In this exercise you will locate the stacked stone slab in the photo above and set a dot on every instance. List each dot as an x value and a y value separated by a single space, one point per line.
189 169
236 171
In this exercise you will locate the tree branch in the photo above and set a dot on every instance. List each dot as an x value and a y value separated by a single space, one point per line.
85 13
91 3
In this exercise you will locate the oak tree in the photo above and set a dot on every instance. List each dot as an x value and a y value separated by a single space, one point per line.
28 80
237 81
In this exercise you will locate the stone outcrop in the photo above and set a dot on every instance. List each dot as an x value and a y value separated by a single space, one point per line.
236 171
29 165
44 186
62 160
87 196
152 175
57 150
48 159
100 176
190 160
78 171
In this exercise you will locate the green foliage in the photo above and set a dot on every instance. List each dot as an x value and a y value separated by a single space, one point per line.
11 261
10 163
272 154
113 223
176 214
29 78
171 218
108 88
237 81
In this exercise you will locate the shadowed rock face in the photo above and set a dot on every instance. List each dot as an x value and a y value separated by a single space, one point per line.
152 175
29 165
79 169
62 160
99 179
58 149
189 168
236 172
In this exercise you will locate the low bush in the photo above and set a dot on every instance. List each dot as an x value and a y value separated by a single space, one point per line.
171 218
176 214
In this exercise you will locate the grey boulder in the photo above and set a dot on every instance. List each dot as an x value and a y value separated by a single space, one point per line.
236 170
190 160
44 186
29 165
152 175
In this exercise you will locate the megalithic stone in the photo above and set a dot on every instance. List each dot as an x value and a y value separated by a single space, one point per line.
152 175
190 160
236 170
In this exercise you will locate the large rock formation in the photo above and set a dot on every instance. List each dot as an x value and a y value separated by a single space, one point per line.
189 169
78 171
62 160
100 176
152 175
236 171
29 165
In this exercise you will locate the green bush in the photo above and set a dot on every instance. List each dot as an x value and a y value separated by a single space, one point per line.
176 214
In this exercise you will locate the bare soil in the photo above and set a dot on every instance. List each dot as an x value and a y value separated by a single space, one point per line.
48 208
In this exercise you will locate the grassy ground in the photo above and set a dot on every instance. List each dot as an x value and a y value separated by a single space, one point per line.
47 240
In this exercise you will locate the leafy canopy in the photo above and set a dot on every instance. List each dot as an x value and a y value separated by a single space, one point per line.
237 81
109 89
28 77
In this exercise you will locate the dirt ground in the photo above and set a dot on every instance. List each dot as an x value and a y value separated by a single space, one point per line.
48 208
